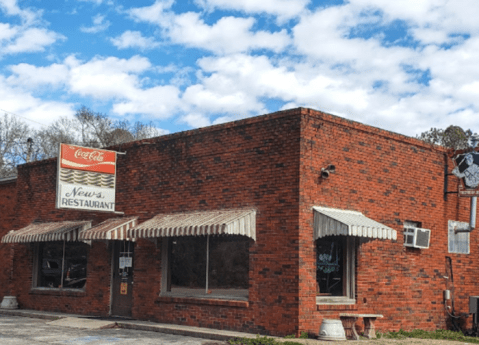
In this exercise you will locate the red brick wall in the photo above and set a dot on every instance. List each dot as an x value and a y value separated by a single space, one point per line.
270 163
8 195
250 164
389 178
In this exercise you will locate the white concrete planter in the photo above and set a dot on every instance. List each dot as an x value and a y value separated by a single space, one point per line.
331 330
9 302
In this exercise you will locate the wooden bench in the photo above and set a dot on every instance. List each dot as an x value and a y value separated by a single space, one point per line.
349 320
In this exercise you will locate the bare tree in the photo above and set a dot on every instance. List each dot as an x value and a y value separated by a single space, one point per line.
140 130
95 128
13 144
87 128
63 130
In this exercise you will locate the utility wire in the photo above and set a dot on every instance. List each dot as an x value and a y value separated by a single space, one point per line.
9 112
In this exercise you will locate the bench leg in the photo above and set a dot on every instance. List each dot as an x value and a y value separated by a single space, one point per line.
369 330
349 329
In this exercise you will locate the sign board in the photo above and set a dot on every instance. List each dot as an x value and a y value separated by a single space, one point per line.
125 262
467 169
86 178
468 192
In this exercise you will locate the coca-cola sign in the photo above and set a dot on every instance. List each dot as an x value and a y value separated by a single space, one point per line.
87 159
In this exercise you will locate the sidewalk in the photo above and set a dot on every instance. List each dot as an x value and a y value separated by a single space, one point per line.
92 322
95 323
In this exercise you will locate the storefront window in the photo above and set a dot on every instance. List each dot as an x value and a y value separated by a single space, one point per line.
61 265
228 266
335 266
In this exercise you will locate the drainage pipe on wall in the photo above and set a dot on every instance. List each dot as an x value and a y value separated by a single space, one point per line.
472 218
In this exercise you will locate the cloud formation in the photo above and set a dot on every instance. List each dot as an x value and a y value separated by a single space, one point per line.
99 24
404 66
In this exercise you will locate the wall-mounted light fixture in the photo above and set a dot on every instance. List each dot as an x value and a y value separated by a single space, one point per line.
328 170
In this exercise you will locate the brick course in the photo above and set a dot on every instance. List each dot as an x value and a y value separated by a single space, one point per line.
271 163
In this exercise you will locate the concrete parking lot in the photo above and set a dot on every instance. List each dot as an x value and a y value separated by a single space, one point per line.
22 330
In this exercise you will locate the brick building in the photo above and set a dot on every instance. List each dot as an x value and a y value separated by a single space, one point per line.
251 203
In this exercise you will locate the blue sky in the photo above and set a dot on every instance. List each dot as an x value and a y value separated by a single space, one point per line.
404 66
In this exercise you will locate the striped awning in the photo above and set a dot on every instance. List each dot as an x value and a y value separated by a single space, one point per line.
46 232
111 229
230 222
332 221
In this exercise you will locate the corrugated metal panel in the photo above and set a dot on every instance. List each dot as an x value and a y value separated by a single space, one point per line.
46 232
231 222
111 229
458 242
331 221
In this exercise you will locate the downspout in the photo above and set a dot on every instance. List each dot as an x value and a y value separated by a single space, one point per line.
472 218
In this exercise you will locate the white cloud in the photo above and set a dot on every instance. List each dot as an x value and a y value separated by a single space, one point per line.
227 35
7 32
29 36
31 40
430 21
22 102
325 62
99 24
134 39
11 8
99 2
104 79
160 102
32 77
283 9
195 120
155 13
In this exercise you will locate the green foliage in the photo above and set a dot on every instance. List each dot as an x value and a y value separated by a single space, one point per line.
291 336
260 341
304 335
452 137
440 334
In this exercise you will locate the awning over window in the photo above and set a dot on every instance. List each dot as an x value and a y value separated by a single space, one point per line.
331 221
46 232
230 222
111 229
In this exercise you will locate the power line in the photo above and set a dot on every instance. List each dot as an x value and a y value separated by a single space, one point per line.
9 112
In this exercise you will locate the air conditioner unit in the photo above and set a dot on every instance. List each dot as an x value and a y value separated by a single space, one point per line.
417 237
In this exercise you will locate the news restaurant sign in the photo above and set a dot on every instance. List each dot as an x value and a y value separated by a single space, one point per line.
466 167
86 178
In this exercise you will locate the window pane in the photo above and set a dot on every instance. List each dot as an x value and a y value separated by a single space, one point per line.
188 262
229 262
75 265
50 264
330 267
228 266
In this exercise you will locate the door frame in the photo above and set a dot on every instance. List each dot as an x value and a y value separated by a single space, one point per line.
116 249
